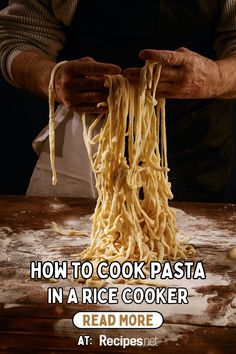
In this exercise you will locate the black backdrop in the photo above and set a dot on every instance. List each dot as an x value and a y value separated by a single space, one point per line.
22 116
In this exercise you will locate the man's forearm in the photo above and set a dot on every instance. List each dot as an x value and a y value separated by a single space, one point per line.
31 71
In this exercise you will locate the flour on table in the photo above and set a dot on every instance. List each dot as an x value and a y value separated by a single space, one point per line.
210 300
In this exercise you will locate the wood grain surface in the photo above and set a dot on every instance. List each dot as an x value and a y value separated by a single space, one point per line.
29 325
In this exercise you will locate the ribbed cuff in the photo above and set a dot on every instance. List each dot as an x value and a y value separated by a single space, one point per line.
229 50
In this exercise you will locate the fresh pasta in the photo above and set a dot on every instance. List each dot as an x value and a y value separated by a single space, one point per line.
132 219
51 101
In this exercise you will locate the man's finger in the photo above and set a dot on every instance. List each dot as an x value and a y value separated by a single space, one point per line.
187 51
91 108
166 94
79 68
74 99
91 97
165 57
170 73
89 59
83 84
131 73
165 87
183 50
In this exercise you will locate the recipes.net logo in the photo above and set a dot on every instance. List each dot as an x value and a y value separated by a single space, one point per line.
105 341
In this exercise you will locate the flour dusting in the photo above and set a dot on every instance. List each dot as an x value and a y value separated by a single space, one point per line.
210 301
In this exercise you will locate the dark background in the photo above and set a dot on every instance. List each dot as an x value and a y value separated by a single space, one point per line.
22 117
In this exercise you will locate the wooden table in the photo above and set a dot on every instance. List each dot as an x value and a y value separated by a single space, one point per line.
29 325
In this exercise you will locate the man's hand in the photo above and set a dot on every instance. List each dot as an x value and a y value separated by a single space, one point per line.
185 74
79 84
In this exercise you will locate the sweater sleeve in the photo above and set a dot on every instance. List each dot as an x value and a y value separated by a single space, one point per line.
32 25
225 44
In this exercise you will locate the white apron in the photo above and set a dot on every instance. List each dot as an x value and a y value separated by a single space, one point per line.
75 177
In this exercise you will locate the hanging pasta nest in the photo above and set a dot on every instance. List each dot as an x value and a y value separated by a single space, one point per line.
132 220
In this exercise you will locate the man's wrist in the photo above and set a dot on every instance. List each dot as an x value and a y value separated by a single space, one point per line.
227 78
31 71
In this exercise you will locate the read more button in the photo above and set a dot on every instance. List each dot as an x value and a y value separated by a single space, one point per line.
115 319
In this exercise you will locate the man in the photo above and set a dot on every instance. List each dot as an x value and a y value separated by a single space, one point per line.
194 41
